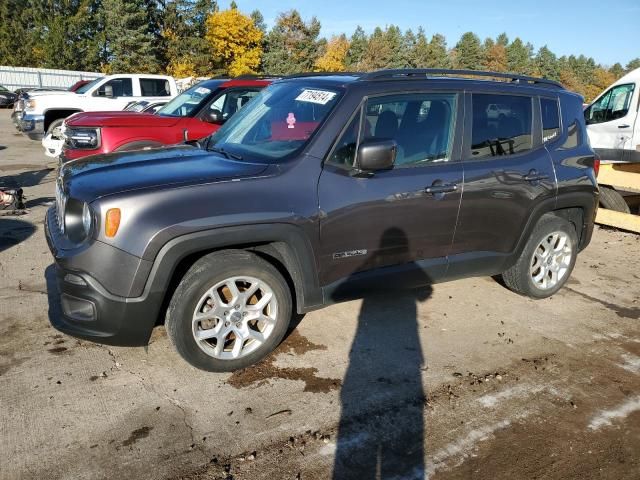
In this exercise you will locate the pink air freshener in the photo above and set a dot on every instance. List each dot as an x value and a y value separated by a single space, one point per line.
291 120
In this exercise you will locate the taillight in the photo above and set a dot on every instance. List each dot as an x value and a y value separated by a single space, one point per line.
596 164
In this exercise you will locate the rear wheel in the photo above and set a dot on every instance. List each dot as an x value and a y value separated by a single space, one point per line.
612 200
547 259
230 310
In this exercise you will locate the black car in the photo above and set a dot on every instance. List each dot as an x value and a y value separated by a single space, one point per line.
7 97
324 188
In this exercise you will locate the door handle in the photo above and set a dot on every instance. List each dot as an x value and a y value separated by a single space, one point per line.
534 176
624 126
441 188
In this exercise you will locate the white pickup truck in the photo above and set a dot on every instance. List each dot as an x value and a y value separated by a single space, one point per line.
40 113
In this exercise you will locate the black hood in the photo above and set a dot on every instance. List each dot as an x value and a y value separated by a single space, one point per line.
93 177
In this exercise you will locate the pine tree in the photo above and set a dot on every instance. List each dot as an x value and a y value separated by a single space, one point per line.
469 53
185 50
292 44
421 53
357 48
408 49
616 70
438 57
518 57
546 64
394 38
378 53
633 64
258 21
131 47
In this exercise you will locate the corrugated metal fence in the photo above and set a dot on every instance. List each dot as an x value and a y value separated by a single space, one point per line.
24 77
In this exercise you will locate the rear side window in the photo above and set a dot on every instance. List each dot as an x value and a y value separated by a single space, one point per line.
501 125
550 119
612 105
154 87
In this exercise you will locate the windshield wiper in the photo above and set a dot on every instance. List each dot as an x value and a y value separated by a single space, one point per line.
229 155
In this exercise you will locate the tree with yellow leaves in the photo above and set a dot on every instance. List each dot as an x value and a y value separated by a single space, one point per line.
235 41
334 57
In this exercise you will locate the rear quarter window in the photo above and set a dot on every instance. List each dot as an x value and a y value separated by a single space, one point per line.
550 119
500 131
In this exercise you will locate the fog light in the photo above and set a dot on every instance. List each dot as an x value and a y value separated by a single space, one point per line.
74 279
78 309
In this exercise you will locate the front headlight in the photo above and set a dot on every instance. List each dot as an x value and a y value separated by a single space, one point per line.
78 220
82 138
30 104
86 219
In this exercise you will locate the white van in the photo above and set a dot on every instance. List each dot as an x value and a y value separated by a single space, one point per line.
612 120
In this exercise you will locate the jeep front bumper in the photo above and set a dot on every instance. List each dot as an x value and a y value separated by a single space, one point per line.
80 306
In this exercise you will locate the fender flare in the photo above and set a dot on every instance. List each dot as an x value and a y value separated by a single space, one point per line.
288 244
585 200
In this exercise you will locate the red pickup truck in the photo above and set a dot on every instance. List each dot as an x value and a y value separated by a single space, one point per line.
192 115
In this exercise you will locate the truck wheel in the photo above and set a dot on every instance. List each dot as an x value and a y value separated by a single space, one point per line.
54 129
612 200
230 310
547 259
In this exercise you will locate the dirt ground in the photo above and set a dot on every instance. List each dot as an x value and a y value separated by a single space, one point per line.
462 381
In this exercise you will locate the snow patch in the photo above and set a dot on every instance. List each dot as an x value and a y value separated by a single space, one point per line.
631 363
605 417
491 400
462 446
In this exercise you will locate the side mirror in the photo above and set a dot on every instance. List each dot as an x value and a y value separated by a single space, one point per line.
108 91
377 155
214 116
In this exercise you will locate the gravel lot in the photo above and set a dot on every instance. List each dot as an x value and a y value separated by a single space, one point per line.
465 380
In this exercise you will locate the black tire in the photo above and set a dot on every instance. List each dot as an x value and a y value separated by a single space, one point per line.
518 277
55 124
203 275
612 200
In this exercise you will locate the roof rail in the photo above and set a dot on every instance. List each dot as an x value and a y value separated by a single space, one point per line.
252 76
322 74
426 72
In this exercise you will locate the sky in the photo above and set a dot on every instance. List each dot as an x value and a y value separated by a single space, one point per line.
607 30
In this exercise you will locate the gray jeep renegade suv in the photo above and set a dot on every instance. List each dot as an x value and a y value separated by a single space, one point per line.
323 188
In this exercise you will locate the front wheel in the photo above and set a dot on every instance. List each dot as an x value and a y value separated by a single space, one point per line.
547 259
230 310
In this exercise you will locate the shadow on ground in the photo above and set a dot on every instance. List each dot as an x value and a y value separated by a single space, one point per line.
13 232
25 179
381 429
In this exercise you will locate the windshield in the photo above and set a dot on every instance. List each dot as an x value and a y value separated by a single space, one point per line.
85 88
3 89
186 103
277 122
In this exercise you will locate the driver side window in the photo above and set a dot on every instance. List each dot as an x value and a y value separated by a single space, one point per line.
612 105
119 87
231 101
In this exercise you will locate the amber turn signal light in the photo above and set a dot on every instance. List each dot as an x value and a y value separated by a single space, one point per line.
112 222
